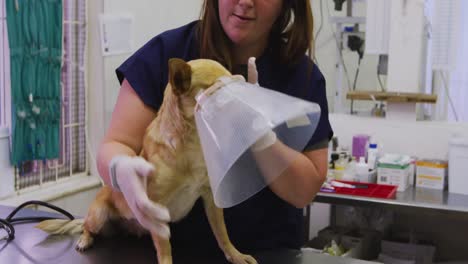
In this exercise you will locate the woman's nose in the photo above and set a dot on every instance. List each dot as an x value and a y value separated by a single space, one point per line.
246 3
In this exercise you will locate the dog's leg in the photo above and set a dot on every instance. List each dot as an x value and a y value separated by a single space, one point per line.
163 249
216 218
99 213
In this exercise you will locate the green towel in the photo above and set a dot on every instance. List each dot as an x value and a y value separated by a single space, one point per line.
35 39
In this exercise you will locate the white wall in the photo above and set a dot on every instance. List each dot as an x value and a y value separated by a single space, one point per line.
95 90
423 139
151 17
407 46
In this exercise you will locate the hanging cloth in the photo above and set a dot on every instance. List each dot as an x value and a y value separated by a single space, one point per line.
35 38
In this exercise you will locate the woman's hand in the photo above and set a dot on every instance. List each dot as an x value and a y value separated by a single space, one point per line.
270 137
129 175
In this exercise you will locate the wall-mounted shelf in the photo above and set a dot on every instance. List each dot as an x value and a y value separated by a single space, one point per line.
392 97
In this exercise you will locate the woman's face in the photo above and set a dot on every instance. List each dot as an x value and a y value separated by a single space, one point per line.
248 22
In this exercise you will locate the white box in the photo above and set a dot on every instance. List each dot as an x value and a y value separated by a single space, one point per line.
390 174
394 170
458 166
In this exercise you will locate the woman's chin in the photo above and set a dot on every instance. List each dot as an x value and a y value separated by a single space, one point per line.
239 40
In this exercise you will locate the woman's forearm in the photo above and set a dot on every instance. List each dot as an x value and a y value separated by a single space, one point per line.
300 177
106 152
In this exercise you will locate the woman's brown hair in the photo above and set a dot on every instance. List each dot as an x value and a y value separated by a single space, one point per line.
290 38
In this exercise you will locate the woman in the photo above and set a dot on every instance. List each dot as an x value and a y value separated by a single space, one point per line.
278 33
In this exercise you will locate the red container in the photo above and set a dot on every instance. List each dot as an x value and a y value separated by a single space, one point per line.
368 190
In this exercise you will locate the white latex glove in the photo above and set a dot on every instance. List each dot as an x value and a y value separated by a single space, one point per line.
270 137
252 74
129 175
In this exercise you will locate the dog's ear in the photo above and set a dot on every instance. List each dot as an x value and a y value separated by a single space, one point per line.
180 75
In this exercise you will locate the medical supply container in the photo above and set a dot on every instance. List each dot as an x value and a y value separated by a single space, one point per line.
359 148
362 170
431 174
458 166
340 166
372 155
394 169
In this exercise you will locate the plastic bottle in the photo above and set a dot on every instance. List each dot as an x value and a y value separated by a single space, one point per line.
340 166
349 173
362 170
372 155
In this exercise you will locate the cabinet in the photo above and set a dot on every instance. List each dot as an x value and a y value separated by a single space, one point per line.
439 215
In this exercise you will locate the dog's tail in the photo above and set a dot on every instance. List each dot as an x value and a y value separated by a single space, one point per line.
61 226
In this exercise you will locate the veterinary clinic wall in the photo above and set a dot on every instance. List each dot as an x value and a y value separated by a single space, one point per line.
151 17
446 21
327 56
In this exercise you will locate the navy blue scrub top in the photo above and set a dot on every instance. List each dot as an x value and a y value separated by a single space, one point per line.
264 221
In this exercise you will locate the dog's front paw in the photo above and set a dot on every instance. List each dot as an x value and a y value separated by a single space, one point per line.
236 257
84 242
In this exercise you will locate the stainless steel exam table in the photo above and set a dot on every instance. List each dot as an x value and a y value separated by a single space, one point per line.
34 246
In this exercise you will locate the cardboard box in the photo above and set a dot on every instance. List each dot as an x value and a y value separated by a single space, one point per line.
431 174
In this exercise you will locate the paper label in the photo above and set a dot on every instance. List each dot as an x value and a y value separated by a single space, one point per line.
298 121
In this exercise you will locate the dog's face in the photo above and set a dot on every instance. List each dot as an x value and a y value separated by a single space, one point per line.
175 120
187 79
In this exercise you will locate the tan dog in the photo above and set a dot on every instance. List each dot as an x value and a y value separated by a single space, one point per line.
172 145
